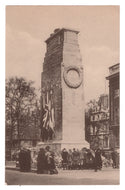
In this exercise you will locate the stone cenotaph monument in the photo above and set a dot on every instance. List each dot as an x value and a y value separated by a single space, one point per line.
63 123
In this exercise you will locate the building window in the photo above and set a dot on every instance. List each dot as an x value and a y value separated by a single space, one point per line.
91 130
105 142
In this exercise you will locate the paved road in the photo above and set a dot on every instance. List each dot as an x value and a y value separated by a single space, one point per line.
65 177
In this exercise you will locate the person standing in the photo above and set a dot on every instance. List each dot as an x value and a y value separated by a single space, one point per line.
115 158
21 160
41 161
52 168
70 159
48 158
98 160
75 159
28 160
25 160
78 159
64 159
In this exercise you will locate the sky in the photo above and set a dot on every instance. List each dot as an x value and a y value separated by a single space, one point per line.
27 28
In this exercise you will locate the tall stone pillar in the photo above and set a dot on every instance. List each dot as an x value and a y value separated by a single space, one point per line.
62 78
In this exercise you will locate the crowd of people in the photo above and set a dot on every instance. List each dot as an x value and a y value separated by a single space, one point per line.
48 161
45 161
83 159
89 159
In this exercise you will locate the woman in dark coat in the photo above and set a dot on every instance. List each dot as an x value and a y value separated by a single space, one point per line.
21 160
75 156
25 160
64 159
70 159
41 161
98 160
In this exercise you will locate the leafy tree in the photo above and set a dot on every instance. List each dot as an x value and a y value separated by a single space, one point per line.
21 108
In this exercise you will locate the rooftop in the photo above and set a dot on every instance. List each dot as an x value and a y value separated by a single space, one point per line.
113 71
58 30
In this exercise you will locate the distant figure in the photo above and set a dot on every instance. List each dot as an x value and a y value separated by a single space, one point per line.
52 168
78 159
81 159
84 158
98 160
21 160
28 160
90 160
64 159
41 162
25 160
75 156
115 159
48 159
70 159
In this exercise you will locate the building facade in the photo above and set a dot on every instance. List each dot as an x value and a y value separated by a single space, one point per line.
99 124
114 98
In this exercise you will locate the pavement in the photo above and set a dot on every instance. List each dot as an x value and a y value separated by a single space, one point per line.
107 176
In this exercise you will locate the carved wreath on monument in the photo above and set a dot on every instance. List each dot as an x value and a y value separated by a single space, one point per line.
72 76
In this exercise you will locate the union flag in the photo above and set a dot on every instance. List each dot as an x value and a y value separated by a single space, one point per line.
48 111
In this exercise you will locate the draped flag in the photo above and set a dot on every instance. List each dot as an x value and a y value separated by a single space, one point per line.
48 116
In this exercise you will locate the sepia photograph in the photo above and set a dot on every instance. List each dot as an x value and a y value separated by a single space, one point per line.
62 95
